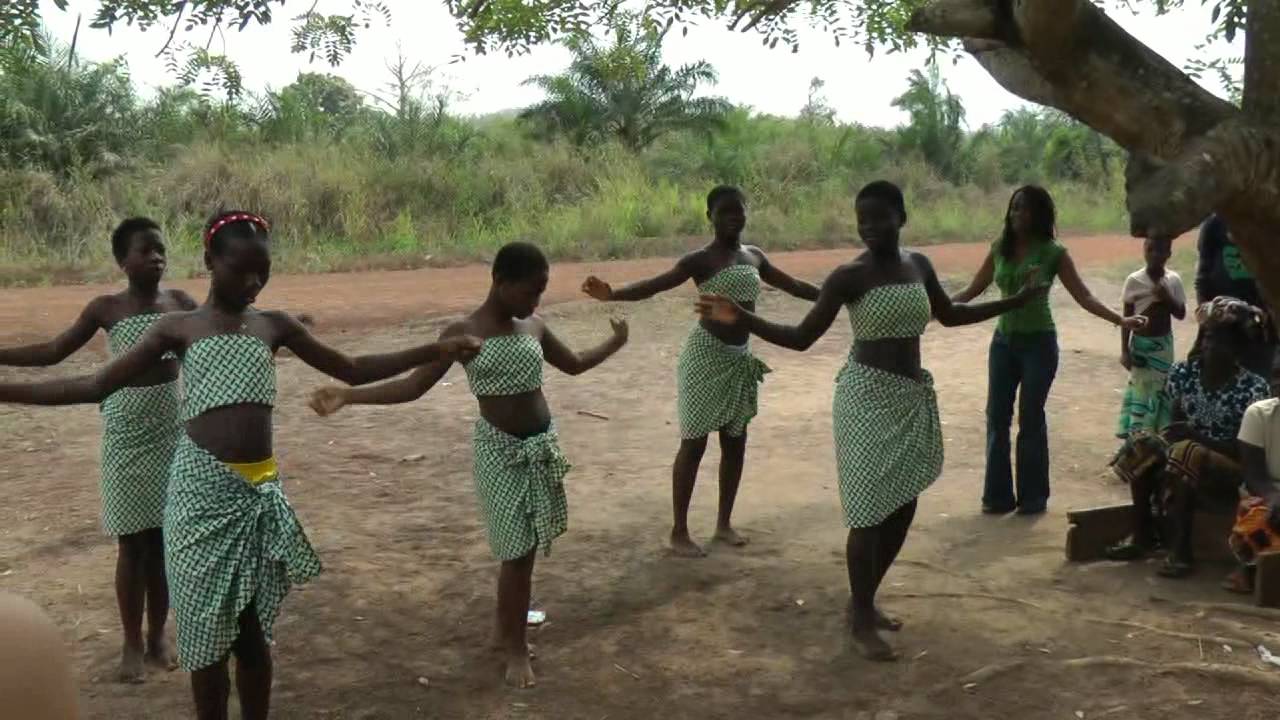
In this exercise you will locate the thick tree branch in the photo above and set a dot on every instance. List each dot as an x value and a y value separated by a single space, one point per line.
970 19
1088 67
1262 60
1233 162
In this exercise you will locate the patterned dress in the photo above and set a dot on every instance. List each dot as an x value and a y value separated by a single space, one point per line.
228 543
718 385
140 430
888 435
519 481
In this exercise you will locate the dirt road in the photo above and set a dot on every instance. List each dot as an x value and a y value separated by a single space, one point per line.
397 627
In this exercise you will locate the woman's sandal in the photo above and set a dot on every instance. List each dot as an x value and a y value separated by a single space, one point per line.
1238 582
1174 569
1127 552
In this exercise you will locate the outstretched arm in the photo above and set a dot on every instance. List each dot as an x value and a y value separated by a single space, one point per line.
561 357
643 290
772 275
329 400
58 349
980 282
1084 298
952 314
364 369
87 389
834 293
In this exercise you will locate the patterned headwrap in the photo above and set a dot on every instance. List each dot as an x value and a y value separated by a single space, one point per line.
226 220
1232 313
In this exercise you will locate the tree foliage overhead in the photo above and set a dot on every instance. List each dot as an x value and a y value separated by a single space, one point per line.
621 89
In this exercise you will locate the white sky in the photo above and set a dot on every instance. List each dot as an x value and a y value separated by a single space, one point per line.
774 81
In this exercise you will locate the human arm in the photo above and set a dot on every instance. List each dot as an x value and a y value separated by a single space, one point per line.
564 359
1125 358
59 348
88 389
329 400
775 277
1072 281
364 369
835 291
643 290
980 282
952 314
1170 293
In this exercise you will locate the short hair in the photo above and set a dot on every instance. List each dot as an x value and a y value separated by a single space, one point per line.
887 192
519 261
251 226
124 232
720 193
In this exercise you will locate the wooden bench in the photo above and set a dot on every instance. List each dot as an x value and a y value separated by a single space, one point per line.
1090 532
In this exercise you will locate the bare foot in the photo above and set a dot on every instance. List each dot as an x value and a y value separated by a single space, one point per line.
684 546
520 672
870 645
887 622
132 671
159 655
728 536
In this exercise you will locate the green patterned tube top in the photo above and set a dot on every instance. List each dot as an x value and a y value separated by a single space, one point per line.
125 334
229 369
506 365
739 283
901 310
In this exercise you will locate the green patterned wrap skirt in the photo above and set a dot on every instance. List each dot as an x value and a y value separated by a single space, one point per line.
888 440
717 386
520 485
140 430
227 544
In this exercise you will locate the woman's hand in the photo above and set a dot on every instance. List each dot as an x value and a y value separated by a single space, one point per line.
328 400
460 348
621 331
1133 322
719 309
597 289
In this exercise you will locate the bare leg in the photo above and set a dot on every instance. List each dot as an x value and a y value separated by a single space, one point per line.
862 553
894 536
253 667
131 597
210 687
515 586
158 651
733 453
684 474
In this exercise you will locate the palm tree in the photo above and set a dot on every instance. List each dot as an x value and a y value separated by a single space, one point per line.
623 90
936 127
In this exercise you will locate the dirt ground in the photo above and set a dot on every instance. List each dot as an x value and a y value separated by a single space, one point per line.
385 494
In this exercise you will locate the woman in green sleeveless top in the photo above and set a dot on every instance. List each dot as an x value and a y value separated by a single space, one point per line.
888 436
139 432
233 546
717 377
518 466
1024 350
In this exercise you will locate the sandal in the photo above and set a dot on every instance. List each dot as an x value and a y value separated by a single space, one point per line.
1238 582
1127 551
1174 569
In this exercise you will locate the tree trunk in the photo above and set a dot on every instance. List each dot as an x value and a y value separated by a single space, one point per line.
1191 153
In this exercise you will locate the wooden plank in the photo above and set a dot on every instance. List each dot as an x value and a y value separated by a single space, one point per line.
1266 590
1093 530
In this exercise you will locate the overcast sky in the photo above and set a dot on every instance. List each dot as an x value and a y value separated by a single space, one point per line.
861 89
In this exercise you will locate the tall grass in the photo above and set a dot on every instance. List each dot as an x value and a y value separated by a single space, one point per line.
346 205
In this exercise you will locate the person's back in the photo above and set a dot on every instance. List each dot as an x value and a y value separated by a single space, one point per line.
36 680
1220 269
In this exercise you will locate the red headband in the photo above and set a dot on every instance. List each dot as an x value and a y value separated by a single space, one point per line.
226 220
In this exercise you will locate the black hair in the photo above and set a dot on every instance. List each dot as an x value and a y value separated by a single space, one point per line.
720 193
124 232
236 229
1045 223
519 261
886 191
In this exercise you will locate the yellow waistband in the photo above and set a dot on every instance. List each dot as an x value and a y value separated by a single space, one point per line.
257 472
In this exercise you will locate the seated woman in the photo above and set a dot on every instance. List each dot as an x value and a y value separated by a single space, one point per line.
1195 460
1257 526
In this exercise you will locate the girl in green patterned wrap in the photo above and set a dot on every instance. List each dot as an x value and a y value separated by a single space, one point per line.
717 378
518 467
232 544
139 432
885 413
